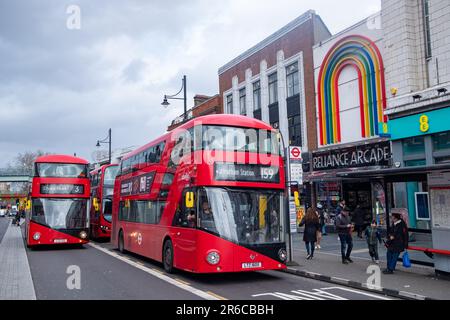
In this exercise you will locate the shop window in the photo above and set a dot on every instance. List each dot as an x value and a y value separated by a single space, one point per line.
257 95
292 80
294 131
441 141
413 146
415 163
442 160
230 104
273 88
242 104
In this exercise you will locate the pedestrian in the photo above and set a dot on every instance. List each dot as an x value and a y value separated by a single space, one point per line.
345 229
397 242
321 231
312 225
358 219
373 236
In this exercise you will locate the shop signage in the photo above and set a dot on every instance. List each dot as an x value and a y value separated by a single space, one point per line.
246 172
62 189
137 185
375 154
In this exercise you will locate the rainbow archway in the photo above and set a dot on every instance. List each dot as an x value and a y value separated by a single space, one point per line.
362 54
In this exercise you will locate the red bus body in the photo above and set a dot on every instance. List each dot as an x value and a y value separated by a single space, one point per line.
102 187
149 199
59 198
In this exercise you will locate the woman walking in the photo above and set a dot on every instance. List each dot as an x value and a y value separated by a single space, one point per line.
312 225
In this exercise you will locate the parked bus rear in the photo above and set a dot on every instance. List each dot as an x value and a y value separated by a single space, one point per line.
59 201
164 191
102 187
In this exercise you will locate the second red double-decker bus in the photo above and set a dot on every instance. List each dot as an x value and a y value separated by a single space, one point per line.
206 197
59 201
102 187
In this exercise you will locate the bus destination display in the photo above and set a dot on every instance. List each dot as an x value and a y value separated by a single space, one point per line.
246 172
62 189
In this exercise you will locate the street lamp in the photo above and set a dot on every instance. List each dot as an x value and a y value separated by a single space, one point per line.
165 103
108 141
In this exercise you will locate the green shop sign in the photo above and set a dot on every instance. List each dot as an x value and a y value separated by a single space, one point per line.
420 124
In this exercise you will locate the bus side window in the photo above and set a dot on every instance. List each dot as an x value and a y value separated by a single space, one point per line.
185 217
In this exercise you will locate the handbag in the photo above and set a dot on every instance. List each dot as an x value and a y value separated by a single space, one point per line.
406 261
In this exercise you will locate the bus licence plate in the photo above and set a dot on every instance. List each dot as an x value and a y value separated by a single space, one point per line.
251 265
60 241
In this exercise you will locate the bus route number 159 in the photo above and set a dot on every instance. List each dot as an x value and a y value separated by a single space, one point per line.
267 173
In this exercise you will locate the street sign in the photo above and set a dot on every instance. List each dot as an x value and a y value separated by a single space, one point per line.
295 165
292 217
295 153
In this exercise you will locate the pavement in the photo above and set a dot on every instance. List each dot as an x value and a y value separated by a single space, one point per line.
15 277
418 282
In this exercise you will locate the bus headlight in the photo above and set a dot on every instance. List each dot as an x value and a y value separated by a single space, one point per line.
83 235
282 254
36 236
213 257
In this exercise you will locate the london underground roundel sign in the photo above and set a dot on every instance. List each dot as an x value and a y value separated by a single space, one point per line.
295 153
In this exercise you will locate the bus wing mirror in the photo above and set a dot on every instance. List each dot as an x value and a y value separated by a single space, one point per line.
189 199
297 199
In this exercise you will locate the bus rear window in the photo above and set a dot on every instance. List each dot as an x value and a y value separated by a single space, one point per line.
61 170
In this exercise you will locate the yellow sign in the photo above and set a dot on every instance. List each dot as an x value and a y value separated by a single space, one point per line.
424 124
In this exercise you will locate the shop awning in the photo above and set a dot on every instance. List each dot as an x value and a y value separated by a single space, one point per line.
403 174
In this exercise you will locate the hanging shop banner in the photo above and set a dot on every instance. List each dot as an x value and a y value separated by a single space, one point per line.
374 154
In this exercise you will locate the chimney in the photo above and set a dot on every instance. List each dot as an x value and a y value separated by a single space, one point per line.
199 99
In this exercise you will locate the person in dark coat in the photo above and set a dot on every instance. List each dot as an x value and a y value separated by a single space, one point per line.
358 220
312 225
373 236
344 229
397 242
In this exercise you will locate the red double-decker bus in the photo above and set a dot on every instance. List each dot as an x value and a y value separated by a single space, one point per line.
206 197
102 187
59 201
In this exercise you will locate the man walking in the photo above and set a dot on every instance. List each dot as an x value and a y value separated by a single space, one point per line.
344 228
397 242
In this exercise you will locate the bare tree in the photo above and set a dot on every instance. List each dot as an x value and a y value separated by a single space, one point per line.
24 161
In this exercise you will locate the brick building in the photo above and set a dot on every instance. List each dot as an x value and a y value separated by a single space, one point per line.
274 80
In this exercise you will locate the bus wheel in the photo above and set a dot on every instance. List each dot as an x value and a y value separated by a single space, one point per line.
168 256
121 242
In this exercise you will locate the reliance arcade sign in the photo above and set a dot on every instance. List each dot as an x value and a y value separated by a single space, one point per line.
375 154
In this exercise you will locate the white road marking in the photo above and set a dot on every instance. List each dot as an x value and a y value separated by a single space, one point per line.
156 274
358 292
317 294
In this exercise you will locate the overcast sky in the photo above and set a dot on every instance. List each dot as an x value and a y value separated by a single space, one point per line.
61 89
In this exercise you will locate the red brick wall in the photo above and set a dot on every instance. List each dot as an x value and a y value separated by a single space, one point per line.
211 106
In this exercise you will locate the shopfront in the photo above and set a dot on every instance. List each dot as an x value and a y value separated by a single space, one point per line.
423 140
368 194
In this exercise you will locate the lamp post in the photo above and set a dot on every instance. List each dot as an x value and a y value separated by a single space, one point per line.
108 141
165 103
